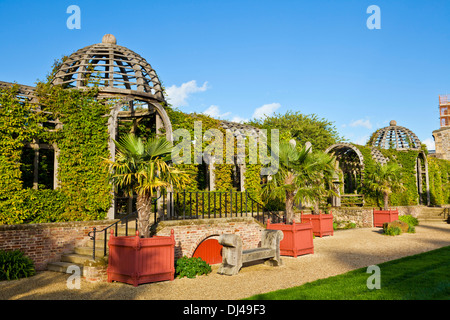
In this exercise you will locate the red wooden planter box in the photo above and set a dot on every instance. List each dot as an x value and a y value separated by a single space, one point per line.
382 216
297 240
136 260
322 224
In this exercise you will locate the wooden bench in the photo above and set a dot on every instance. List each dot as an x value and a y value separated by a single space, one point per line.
233 256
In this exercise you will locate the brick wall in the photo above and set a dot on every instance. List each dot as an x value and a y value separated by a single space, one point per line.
363 216
46 242
190 233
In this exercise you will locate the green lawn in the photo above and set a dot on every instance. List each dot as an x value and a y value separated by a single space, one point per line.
419 277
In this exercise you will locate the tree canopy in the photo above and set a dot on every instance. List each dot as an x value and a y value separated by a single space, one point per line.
295 125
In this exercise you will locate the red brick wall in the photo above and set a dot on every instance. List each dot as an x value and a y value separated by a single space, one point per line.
190 233
46 242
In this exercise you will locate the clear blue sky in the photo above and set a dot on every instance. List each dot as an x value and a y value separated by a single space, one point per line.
233 57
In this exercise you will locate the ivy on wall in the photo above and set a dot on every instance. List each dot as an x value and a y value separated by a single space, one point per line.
18 124
224 171
438 172
84 192
407 161
83 144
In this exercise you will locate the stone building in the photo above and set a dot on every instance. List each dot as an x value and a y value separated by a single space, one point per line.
442 136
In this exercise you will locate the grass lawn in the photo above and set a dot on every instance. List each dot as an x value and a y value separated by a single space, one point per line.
419 277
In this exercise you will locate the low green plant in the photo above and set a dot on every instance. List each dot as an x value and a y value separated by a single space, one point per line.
15 265
342 225
409 220
392 231
191 267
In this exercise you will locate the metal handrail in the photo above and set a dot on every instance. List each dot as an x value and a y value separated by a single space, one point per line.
93 234
445 213
274 214
261 211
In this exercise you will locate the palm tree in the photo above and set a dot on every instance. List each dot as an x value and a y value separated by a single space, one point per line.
302 175
143 167
385 179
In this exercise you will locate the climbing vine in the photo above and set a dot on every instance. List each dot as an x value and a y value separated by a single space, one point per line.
438 172
83 145
84 192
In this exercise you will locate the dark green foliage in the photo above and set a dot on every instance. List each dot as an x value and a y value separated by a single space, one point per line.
191 267
15 265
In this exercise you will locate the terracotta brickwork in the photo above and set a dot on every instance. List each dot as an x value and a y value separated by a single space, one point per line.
46 242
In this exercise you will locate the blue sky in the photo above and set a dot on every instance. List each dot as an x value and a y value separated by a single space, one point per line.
239 59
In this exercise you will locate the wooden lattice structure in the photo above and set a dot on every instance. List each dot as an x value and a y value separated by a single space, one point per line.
120 74
350 162
395 137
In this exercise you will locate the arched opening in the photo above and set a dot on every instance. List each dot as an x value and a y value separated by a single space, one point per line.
422 179
209 250
350 163
145 119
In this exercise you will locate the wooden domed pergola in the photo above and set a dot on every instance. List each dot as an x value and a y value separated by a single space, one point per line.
119 74
395 137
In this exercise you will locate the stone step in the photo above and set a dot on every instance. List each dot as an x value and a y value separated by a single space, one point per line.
61 266
75 258
431 214
88 251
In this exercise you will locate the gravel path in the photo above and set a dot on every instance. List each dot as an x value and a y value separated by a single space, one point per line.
345 251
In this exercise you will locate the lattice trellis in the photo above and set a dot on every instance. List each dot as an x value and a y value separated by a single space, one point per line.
396 137
112 67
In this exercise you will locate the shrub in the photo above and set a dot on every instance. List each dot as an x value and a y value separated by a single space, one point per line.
191 267
392 231
342 225
397 227
409 220
15 265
